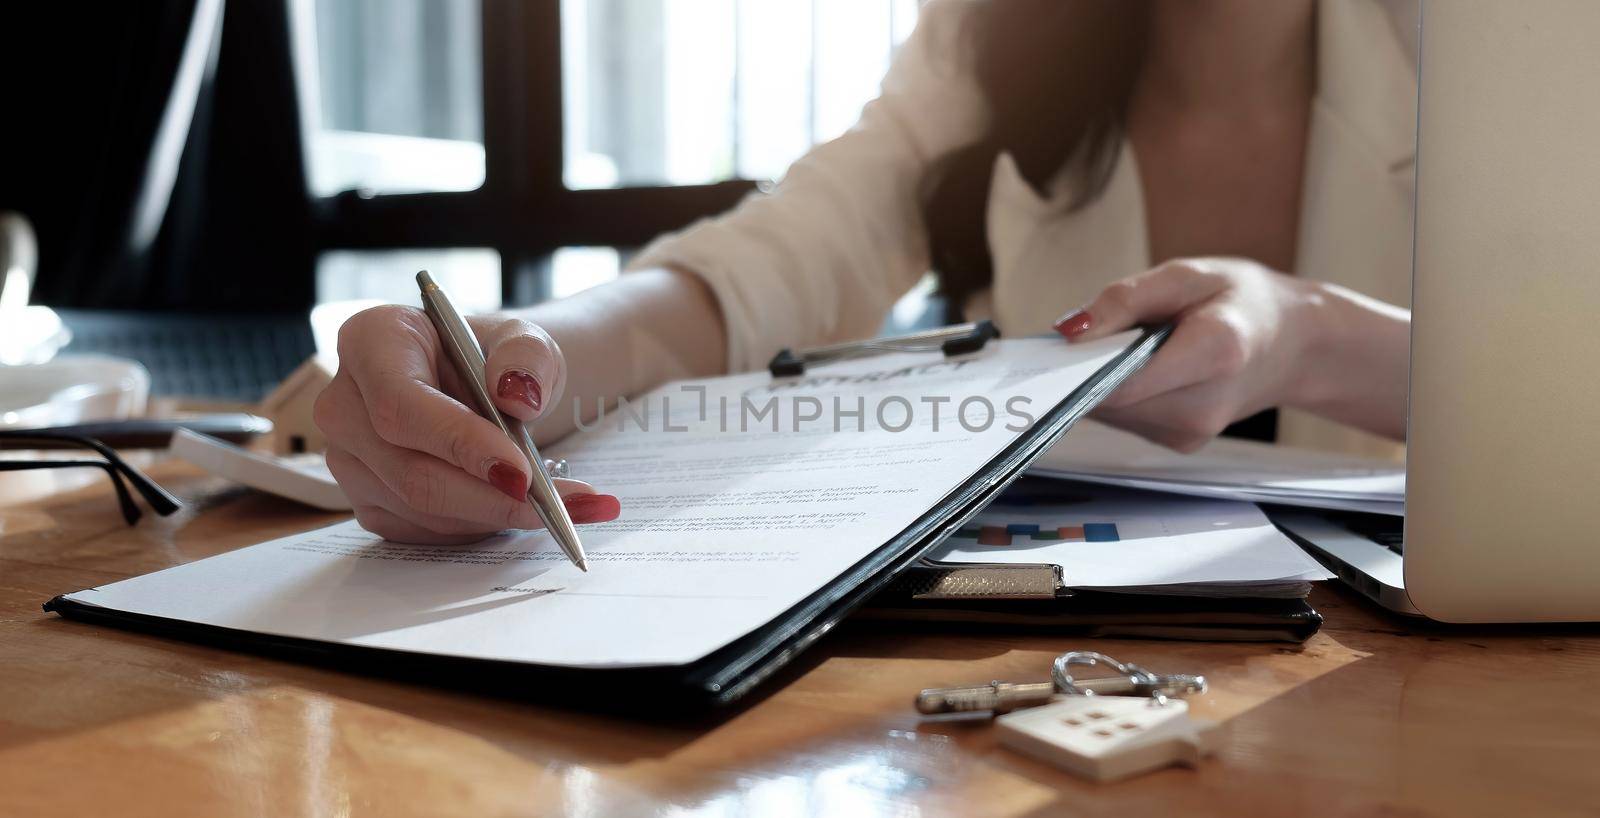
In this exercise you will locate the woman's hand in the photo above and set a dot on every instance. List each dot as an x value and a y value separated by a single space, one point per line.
1248 338
416 463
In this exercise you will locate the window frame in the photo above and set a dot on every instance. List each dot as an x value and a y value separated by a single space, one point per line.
524 210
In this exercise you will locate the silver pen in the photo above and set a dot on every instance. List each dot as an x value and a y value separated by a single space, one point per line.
461 347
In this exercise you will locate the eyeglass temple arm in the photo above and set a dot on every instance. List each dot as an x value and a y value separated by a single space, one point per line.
161 501
130 509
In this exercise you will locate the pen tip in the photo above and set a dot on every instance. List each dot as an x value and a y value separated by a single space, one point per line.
583 564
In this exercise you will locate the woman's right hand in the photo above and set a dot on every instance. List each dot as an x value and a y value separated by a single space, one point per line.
415 462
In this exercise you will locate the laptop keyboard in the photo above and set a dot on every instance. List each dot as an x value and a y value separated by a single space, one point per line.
1388 532
216 357
1394 542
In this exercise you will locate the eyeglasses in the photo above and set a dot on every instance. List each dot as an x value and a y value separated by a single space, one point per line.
160 501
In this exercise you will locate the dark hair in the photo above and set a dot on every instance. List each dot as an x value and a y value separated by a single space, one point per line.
1057 75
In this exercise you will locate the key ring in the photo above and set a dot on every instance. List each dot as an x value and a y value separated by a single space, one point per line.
1158 687
1064 682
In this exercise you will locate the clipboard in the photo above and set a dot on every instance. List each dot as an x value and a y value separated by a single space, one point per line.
1034 597
722 678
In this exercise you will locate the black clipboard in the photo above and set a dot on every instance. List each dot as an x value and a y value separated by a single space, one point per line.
719 679
1032 597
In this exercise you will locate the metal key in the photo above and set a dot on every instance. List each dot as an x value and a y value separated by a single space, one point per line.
1003 697
996 697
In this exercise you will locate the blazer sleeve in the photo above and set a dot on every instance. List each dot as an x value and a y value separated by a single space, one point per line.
824 254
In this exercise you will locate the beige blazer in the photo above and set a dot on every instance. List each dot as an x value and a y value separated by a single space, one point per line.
824 254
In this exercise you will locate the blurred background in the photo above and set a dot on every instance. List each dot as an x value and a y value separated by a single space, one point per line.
201 174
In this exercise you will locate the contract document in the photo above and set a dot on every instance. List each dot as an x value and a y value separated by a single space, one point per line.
742 498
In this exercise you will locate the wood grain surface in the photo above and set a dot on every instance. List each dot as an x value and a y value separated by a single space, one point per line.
1376 715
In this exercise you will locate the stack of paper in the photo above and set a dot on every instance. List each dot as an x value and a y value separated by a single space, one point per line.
1130 541
1230 469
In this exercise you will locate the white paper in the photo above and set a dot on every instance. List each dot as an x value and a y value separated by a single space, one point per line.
722 530
1238 469
1160 540
1187 489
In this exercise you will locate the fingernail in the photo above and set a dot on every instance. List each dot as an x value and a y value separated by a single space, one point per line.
1074 324
592 508
520 386
508 479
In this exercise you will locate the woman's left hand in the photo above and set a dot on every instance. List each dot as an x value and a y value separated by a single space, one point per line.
1244 341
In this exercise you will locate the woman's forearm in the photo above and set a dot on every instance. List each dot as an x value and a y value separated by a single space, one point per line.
1358 369
626 337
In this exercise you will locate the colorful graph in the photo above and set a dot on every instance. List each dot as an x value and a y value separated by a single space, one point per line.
1001 535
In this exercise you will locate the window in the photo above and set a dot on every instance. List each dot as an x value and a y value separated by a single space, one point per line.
471 275
575 269
559 135
397 106
679 92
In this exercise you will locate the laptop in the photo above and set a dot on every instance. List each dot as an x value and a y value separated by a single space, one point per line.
1503 458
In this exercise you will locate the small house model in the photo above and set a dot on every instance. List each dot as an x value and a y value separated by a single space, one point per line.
289 407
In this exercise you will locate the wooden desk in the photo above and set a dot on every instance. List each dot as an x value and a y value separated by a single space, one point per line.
1374 716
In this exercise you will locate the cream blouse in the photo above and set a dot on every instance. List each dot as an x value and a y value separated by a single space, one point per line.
824 254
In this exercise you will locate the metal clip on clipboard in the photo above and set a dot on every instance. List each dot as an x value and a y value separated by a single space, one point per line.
958 339
980 582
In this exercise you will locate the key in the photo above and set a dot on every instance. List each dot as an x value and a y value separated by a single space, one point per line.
1004 697
996 697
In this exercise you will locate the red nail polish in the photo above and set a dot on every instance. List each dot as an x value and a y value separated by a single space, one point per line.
592 508
1074 324
508 479
520 386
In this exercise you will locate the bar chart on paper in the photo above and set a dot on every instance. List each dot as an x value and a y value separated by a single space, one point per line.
1133 541
1005 535
1038 512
